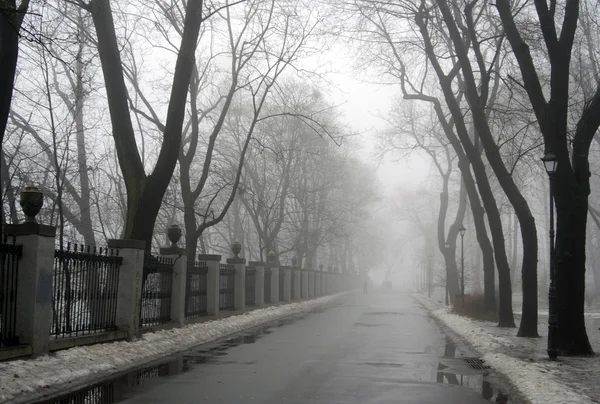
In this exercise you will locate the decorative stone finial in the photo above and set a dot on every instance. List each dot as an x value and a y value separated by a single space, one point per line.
236 248
31 201
320 267
271 256
174 234
294 261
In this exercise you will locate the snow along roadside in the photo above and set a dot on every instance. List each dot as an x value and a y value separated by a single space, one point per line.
26 380
532 380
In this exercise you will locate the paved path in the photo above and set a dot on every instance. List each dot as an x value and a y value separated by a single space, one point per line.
379 348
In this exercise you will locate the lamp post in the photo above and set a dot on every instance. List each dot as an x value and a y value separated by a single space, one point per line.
550 164
462 231
447 248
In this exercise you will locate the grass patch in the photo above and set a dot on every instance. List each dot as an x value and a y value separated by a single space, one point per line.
473 307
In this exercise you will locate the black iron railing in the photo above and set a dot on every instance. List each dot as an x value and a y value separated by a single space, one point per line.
102 393
84 290
267 285
157 289
195 290
10 255
226 287
250 286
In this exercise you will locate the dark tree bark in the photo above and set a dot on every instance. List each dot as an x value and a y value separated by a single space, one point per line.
505 313
571 184
11 18
477 95
144 192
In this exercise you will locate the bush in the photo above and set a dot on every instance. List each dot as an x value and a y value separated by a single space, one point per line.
473 307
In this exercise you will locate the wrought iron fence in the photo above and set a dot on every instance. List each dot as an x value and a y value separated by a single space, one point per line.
157 288
10 254
293 284
250 286
84 290
267 285
195 290
226 287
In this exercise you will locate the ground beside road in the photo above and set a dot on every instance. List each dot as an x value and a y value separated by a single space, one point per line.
524 361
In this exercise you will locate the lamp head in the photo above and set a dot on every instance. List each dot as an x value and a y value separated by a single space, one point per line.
550 162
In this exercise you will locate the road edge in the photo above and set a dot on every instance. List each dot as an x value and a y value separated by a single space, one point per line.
48 391
528 383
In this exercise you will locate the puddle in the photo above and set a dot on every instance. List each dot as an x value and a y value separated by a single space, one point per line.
454 368
120 388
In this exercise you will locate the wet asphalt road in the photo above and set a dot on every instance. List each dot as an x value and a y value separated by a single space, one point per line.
379 348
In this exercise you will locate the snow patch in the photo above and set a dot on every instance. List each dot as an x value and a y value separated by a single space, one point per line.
520 360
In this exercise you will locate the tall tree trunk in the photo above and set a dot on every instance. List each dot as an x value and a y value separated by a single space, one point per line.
528 326
11 18
144 193
571 195
450 252
571 181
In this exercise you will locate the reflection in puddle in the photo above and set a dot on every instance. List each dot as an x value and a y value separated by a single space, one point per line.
123 387
453 368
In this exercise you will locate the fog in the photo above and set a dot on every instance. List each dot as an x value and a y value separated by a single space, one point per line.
348 136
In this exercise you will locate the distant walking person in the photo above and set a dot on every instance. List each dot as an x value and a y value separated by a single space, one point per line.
365 287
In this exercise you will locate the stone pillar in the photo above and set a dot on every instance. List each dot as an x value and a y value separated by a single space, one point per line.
287 283
275 284
297 279
178 291
130 285
239 299
318 284
34 283
311 284
259 285
212 283
304 275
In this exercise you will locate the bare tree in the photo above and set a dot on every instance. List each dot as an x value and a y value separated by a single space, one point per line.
571 183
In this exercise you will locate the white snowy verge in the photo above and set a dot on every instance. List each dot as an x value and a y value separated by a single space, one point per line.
30 379
533 378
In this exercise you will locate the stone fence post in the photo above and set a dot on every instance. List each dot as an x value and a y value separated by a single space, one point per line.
130 285
311 284
304 279
275 274
212 283
239 300
287 283
34 283
296 273
178 289
259 283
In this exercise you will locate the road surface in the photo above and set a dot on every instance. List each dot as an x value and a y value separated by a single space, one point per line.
375 348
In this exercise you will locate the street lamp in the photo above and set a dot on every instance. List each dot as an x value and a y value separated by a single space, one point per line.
550 164
462 231
447 245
